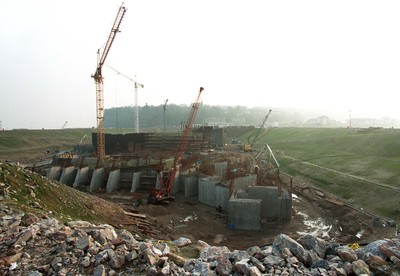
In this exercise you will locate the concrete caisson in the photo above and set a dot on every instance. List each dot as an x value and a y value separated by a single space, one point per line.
54 173
244 214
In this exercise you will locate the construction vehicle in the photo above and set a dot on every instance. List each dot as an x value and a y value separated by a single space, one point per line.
98 78
167 180
249 145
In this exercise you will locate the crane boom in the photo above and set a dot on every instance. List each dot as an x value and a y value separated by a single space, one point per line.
158 195
261 127
98 78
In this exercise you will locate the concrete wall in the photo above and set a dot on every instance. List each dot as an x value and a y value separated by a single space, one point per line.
286 206
97 180
244 214
68 175
82 176
113 181
54 173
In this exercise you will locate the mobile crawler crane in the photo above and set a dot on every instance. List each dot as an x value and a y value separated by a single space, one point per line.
163 193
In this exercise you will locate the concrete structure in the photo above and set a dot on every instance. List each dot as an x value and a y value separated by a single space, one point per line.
207 191
222 196
68 175
220 169
191 184
136 181
97 180
270 200
113 181
82 176
244 214
243 183
54 173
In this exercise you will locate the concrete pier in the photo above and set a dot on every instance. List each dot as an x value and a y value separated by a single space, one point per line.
220 169
136 181
222 196
113 181
82 177
270 196
207 191
54 173
97 180
68 175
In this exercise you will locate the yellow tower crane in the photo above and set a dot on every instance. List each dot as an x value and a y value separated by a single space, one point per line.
98 78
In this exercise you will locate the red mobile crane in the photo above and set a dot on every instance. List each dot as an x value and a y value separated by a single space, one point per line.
98 78
163 193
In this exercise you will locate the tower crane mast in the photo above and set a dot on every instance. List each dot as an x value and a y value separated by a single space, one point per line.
98 78
157 195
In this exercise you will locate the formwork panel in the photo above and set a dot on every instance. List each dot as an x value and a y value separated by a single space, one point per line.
113 181
81 177
245 214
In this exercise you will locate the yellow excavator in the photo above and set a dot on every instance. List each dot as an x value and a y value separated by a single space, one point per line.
249 146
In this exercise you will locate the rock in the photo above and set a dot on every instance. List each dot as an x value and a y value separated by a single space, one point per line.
373 248
347 254
242 267
283 241
100 270
29 219
182 242
360 268
391 248
315 244
224 266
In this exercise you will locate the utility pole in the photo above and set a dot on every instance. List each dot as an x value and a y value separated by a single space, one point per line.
165 109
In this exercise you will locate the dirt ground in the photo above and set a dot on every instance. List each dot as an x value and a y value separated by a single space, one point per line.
187 217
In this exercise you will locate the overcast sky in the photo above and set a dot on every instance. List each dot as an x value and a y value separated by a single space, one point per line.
328 55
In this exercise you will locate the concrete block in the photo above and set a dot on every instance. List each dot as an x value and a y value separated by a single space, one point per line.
244 214
97 180
113 181
68 175
179 184
270 196
207 191
136 181
54 173
82 176
191 184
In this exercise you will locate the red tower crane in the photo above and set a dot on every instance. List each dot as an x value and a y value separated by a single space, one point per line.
163 193
98 78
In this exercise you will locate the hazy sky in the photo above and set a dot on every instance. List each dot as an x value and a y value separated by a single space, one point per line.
328 55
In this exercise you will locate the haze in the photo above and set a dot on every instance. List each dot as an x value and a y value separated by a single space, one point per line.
327 55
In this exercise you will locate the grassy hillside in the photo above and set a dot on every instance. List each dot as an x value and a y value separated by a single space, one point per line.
361 166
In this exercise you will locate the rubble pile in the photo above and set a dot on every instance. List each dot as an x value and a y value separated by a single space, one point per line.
43 246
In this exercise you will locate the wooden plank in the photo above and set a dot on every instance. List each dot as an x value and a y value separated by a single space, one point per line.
134 215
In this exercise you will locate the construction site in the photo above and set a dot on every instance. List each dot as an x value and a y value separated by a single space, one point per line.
201 182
